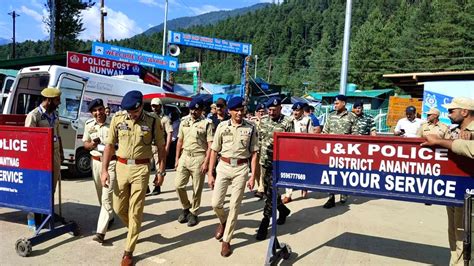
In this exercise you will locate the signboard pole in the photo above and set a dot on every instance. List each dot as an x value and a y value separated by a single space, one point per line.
467 229
243 78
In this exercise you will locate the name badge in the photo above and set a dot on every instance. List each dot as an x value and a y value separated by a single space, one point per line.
55 138
101 147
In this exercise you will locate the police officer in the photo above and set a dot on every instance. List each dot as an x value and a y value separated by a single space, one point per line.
260 113
96 130
365 122
46 115
461 112
433 125
194 140
340 121
157 106
221 113
275 122
301 124
134 130
236 141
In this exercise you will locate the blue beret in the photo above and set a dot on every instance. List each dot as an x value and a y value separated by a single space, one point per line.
95 103
340 97
358 104
235 103
260 106
274 101
132 100
299 105
196 104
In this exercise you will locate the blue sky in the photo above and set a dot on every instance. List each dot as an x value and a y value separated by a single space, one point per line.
125 18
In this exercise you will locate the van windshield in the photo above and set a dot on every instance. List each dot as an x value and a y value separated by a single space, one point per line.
28 95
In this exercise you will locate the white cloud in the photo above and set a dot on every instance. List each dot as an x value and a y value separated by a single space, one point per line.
30 12
36 4
205 9
117 25
149 2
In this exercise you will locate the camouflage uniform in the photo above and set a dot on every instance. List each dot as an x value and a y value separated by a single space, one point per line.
343 123
365 124
265 133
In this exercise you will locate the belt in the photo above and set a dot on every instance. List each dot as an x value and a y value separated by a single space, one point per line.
133 161
193 154
234 162
99 158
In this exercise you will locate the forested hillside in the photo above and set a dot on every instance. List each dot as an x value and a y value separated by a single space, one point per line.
301 41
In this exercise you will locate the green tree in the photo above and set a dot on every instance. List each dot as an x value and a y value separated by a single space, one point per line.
67 23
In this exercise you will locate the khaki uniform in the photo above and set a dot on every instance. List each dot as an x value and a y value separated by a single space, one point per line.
39 118
93 130
195 135
232 142
166 125
134 140
464 147
456 214
439 129
302 125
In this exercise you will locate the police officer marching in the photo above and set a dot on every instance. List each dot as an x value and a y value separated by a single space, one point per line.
275 122
192 159
96 130
157 107
133 130
236 141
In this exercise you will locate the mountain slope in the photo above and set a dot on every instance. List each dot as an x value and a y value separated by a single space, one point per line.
204 19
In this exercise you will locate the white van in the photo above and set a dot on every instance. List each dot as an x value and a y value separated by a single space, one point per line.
7 77
78 89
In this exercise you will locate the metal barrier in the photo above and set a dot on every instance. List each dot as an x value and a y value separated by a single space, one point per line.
381 167
27 181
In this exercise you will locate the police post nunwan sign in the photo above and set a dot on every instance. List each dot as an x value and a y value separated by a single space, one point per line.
134 56
381 167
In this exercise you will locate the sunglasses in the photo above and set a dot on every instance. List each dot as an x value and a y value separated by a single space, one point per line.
220 105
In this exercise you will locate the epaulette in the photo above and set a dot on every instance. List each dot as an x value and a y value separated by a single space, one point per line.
122 112
90 120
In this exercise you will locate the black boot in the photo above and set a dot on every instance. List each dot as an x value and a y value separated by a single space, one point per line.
263 229
284 212
156 191
331 202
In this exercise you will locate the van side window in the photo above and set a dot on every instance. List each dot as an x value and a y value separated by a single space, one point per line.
71 92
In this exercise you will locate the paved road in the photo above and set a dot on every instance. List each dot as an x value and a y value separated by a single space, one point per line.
362 232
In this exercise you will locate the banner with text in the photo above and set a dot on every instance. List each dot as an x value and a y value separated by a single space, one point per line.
382 167
186 39
134 56
100 65
26 165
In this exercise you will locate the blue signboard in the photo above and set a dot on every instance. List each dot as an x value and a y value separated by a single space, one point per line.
193 40
134 56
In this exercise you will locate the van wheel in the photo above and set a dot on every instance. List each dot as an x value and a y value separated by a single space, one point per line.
82 165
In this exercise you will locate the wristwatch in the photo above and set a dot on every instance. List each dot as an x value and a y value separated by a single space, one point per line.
162 173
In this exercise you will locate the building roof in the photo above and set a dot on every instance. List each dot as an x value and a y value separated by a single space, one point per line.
412 83
359 94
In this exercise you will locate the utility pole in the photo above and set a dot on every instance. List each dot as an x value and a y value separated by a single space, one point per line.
14 15
345 49
256 61
52 8
269 70
164 41
103 13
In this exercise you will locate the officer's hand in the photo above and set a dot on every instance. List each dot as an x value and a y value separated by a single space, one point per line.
158 180
431 140
176 165
211 181
204 168
104 179
251 183
465 135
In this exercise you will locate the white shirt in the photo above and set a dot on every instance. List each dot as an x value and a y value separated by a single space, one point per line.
303 125
410 127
